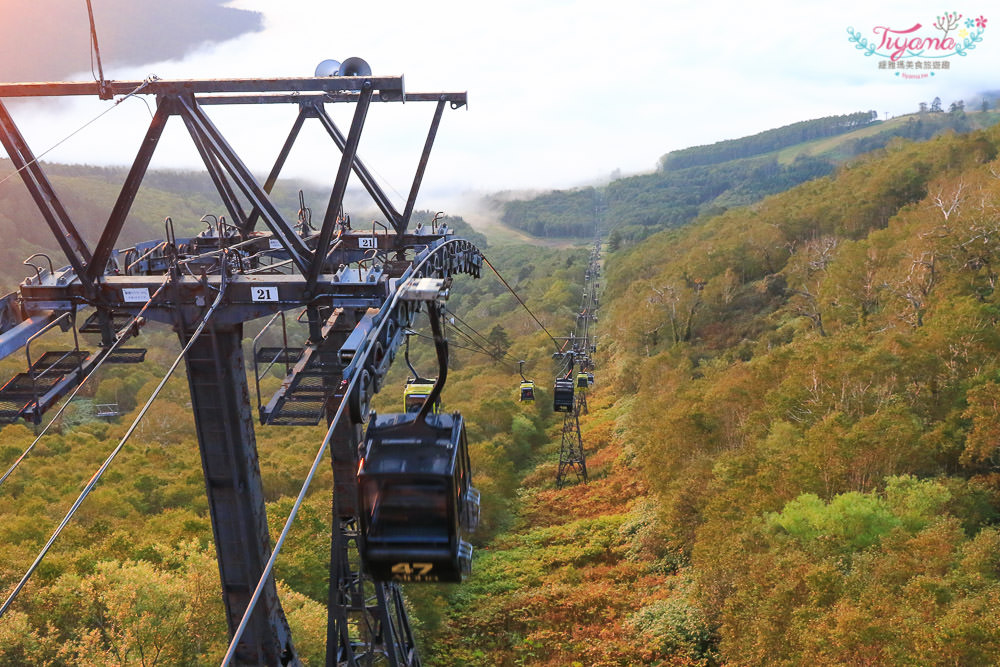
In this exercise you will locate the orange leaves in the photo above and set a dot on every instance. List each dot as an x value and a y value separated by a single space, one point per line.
983 441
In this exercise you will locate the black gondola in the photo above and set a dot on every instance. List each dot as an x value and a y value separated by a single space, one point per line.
417 499
562 400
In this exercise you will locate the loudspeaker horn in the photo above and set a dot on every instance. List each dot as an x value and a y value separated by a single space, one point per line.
355 66
328 68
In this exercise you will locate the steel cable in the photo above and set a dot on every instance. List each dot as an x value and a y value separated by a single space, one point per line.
73 394
111 457
520 301
150 79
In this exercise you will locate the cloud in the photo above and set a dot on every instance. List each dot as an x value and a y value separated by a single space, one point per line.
49 40
561 92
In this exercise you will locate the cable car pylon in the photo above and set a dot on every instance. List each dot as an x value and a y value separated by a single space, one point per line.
345 283
570 394
572 458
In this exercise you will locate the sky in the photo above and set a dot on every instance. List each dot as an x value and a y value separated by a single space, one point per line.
561 92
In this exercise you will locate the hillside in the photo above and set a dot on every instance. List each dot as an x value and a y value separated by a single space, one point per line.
707 180
805 475
820 443
792 448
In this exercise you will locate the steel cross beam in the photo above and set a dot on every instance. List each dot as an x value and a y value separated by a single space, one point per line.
272 177
49 205
390 86
402 224
185 98
116 221
216 173
377 194
203 127
339 188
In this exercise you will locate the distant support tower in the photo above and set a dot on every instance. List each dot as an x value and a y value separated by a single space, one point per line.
572 459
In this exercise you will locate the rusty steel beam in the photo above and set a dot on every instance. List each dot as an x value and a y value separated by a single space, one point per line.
456 100
279 162
360 170
347 161
402 223
200 124
48 203
128 192
333 84
218 175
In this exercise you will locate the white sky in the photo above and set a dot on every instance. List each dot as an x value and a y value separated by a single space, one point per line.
561 92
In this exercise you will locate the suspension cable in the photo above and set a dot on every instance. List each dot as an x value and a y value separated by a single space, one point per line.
467 326
107 462
519 300
489 344
477 350
489 348
73 394
150 79
476 346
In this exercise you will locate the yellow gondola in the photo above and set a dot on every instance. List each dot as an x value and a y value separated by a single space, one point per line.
528 391
415 393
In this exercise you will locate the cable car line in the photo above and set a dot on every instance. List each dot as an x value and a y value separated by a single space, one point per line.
489 344
150 79
476 346
467 326
114 453
519 300
566 398
489 349
476 350
76 390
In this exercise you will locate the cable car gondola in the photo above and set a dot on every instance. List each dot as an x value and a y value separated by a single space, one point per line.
527 386
415 488
416 392
528 391
582 381
562 398
417 499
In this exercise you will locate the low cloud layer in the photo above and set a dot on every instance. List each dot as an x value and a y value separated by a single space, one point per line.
49 40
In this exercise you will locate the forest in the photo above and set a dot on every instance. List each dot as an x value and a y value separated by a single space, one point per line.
767 141
703 181
792 442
